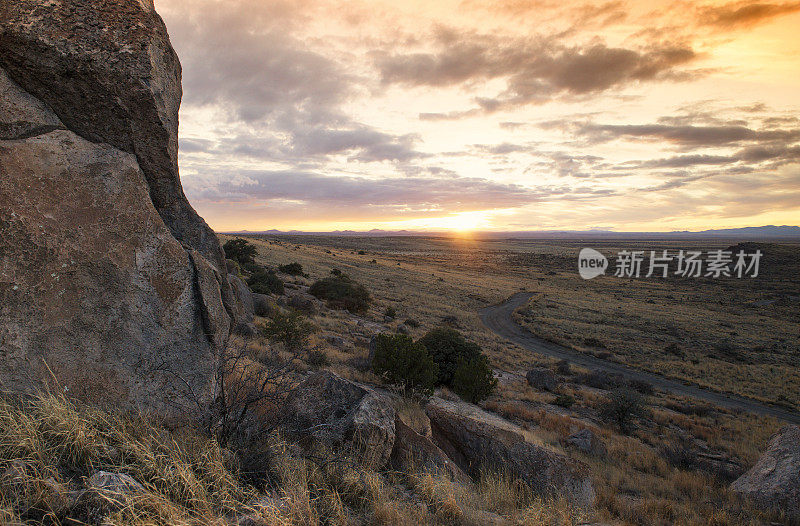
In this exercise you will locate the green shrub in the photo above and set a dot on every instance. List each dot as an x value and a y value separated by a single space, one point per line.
293 269
623 407
241 251
340 292
318 359
564 400
390 313
403 362
474 380
265 282
448 348
291 329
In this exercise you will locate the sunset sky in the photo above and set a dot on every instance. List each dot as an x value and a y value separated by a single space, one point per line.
489 115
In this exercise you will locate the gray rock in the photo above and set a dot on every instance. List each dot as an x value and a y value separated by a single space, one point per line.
588 442
245 307
108 278
542 379
774 482
339 412
262 304
476 439
415 451
301 301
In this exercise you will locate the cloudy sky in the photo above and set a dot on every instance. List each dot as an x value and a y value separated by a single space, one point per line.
494 115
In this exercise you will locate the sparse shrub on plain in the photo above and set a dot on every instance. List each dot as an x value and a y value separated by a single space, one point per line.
449 349
341 292
623 408
241 251
265 282
291 329
564 400
293 269
411 322
317 358
563 367
390 312
402 361
474 379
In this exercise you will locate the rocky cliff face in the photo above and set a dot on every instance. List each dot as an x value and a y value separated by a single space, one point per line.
108 278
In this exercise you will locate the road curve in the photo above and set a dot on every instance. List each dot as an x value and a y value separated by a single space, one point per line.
499 318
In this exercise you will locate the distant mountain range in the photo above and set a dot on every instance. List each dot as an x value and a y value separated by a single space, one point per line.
756 233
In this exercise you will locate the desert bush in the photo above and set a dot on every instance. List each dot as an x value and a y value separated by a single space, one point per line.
317 358
390 312
403 362
265 282
293 269
241 251
474 379
674 350
291 329
449 349
563 367
411 322
564 400
593 342
623 408
340 292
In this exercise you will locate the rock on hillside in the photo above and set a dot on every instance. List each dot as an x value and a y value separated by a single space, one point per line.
338 412
108 278
477 440
774 482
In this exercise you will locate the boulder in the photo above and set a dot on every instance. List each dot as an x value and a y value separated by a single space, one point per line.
542 379
109 280
774 482
587 441
413 451
341 413
477 440
300 301
244 305
262 304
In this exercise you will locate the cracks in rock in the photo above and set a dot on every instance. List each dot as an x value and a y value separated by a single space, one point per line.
7 131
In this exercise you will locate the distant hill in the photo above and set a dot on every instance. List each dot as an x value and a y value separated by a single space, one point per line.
752 233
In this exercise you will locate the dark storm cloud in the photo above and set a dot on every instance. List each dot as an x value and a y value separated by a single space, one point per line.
743 14
535 69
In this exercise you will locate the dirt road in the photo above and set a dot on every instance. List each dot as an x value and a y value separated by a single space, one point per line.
499 318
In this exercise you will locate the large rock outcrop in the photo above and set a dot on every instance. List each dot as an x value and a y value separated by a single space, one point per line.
477 440
109 281
774 482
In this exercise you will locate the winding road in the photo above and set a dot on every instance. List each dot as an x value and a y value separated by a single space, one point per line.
499 318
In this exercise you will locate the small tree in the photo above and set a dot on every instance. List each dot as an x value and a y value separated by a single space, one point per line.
403 362
449 349
623 407
290 329
340 292
240 251
474 379
293 269
265 282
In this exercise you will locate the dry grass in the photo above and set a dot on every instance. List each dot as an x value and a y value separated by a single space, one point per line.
429 279
49 446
